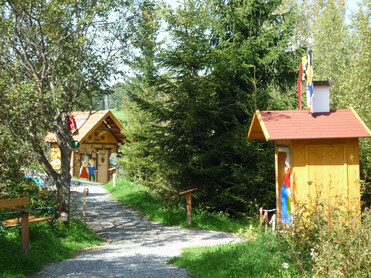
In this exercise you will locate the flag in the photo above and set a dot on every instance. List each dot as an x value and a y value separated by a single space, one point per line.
71 123
301 71
310 79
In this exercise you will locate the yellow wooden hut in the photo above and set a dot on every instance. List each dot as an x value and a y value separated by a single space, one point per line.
316 154
98 134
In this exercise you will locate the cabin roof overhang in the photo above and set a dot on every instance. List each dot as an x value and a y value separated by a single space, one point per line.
89 121
290 125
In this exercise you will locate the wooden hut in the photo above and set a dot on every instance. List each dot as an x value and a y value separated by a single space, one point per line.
316 155
97 136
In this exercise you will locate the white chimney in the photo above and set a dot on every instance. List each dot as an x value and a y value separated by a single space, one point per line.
321 96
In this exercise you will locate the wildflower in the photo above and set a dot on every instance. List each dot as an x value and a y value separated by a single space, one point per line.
312 252
285 265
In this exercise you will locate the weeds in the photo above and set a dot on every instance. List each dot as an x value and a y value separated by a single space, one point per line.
330 241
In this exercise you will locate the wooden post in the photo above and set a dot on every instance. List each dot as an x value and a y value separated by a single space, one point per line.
25 228
25 233
266 221
189 204
114 179
113 169
261 219
86 192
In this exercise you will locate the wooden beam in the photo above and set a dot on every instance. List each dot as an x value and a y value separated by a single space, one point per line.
188 191
262 125
14 202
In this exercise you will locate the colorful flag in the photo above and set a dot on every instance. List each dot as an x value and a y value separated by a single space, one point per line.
71 123
310 79
301 71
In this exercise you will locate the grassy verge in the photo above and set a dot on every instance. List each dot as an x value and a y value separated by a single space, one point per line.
144 201
45 247
256 258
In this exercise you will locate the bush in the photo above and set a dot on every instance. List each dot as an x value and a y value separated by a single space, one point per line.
21 187
330 241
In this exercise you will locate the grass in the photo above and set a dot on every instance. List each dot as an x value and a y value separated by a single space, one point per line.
258 258
45 247
144 201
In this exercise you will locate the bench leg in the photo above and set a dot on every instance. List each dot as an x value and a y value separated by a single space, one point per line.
52 225
25 233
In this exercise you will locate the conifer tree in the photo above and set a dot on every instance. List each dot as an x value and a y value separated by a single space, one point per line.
218 66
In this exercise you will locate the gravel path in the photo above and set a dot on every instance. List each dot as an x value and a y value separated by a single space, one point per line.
135 246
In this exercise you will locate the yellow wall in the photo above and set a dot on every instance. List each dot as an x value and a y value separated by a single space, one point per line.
325 168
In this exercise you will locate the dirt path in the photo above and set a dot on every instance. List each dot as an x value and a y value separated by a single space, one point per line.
135 246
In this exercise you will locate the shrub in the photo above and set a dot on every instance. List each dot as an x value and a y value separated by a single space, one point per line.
330 241
20 187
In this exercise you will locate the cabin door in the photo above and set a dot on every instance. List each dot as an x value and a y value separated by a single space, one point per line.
327 172
103 164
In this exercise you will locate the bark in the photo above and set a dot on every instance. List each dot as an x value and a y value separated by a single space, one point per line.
62 180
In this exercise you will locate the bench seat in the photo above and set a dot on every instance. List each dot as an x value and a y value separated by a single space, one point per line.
31 219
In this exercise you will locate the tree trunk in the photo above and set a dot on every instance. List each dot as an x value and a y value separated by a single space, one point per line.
62 180
63 185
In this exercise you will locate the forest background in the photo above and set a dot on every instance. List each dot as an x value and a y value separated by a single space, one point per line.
191 79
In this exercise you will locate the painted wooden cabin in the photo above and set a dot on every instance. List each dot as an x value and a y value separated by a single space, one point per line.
98 134
319 149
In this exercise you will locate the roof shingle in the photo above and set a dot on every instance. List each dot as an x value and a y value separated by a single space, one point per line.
279 125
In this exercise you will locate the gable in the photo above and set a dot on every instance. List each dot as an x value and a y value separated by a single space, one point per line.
281 125
89 123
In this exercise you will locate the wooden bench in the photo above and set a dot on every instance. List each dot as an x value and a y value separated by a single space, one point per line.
23 217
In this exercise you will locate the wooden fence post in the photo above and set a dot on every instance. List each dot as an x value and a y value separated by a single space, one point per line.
266 221
261 218
114 174
86 192
189 204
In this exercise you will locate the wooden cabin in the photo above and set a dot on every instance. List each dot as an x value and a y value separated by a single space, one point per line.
97 136
316 155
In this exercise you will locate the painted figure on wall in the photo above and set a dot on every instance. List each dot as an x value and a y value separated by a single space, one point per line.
84 169
92 170
286 194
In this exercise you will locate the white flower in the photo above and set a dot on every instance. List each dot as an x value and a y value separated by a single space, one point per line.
285 265
312 252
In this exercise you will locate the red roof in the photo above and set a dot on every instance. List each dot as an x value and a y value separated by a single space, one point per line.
87 121
279 125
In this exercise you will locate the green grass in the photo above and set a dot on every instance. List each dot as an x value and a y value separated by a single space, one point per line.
144 201
45 247
258 258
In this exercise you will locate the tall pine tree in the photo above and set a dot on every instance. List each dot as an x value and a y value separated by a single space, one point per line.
219 65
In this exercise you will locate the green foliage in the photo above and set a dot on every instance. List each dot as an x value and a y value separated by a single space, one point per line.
147 202
54 57
329 241
253 258
22 187
45 247
189 116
